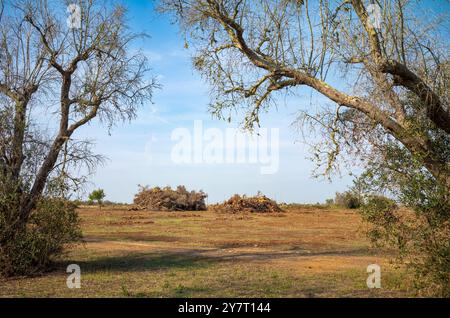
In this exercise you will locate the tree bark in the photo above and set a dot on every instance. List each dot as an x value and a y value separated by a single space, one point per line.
41 178
49 162
18 138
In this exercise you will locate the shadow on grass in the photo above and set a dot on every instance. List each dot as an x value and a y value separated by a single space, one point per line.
135 262
132 237
191 259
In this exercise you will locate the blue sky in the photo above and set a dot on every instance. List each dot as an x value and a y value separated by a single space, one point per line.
139 152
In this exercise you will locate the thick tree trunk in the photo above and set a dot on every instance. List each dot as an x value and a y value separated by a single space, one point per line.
41 178
49 162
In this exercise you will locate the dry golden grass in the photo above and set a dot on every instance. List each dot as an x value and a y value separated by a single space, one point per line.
305 252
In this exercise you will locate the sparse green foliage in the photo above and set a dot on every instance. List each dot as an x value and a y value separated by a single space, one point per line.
255 52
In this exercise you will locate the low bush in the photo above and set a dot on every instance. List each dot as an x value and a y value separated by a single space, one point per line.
348 200
418 232
256 204
167 199
53 224
381 213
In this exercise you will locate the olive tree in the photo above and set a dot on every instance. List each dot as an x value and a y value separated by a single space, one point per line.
251 50
381 66
55 78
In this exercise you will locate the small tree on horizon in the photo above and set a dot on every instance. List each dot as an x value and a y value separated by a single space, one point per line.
97 195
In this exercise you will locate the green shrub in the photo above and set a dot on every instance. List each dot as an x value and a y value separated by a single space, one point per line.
29 251
381 213
348 200
419 232
378 207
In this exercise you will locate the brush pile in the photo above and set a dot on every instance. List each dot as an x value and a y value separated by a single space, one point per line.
167 199
256 204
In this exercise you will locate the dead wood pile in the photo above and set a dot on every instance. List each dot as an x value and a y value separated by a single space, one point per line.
167 199
256 204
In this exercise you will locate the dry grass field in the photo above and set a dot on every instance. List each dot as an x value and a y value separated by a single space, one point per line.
304 252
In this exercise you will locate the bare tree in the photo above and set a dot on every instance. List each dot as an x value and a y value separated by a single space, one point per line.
389 53
75 73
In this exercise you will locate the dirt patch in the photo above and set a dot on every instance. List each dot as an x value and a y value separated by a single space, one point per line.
306 253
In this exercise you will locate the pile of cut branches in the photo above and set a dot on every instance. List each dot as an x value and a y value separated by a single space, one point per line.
256 204
167 199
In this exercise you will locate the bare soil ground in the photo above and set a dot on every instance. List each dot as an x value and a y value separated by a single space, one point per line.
304 252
